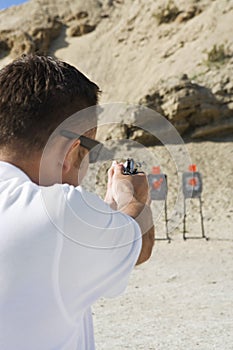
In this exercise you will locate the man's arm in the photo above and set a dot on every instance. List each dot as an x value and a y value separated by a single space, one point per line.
142 214
130 195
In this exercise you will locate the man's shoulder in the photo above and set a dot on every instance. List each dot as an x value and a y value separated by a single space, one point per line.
87 199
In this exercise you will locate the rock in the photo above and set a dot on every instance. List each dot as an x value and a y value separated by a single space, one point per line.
43 36
225 128
192 109
187 105
21 42
112 132
153 101
191 12
182 127
167 12
36 39
77 16
35 32
127 122
16 43
5 45
80 29
142 136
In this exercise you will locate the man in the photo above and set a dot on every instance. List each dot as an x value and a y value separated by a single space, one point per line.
61 248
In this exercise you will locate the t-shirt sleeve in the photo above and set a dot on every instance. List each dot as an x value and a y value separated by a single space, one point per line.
100 248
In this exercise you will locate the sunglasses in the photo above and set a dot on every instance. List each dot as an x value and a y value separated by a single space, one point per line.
94 147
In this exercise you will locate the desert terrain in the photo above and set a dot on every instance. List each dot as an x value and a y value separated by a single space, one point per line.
175 57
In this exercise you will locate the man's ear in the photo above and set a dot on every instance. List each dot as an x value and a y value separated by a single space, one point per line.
71 156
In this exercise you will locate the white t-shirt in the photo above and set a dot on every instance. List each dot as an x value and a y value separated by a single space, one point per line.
61 248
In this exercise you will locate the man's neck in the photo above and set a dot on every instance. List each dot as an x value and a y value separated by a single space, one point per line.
30 166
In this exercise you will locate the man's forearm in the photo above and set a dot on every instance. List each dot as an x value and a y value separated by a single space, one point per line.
130 195
142 214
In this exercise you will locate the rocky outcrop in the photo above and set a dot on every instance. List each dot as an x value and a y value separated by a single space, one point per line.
194 110
80 29
36 39
168 11
213 130
36 32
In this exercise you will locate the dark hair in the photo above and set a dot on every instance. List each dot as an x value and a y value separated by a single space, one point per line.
36 94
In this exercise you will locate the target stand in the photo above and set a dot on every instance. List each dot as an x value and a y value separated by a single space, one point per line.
158 191
192 188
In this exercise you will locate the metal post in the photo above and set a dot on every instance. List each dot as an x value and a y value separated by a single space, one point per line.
184 221
202 220
166 221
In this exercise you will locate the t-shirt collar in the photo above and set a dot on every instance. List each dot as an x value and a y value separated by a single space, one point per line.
9 171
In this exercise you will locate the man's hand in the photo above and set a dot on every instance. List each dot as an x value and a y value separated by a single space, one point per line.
122 189
130 194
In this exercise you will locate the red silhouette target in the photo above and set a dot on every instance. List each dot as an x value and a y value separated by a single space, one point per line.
192 183
158 184
158 191
192 188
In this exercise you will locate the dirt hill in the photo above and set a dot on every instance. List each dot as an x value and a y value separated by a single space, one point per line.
174 55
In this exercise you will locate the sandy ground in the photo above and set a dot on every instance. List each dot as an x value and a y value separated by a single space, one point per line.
183 297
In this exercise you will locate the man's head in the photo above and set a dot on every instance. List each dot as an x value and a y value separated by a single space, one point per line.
36 94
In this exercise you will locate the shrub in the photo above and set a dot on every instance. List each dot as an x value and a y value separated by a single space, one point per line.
167 13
